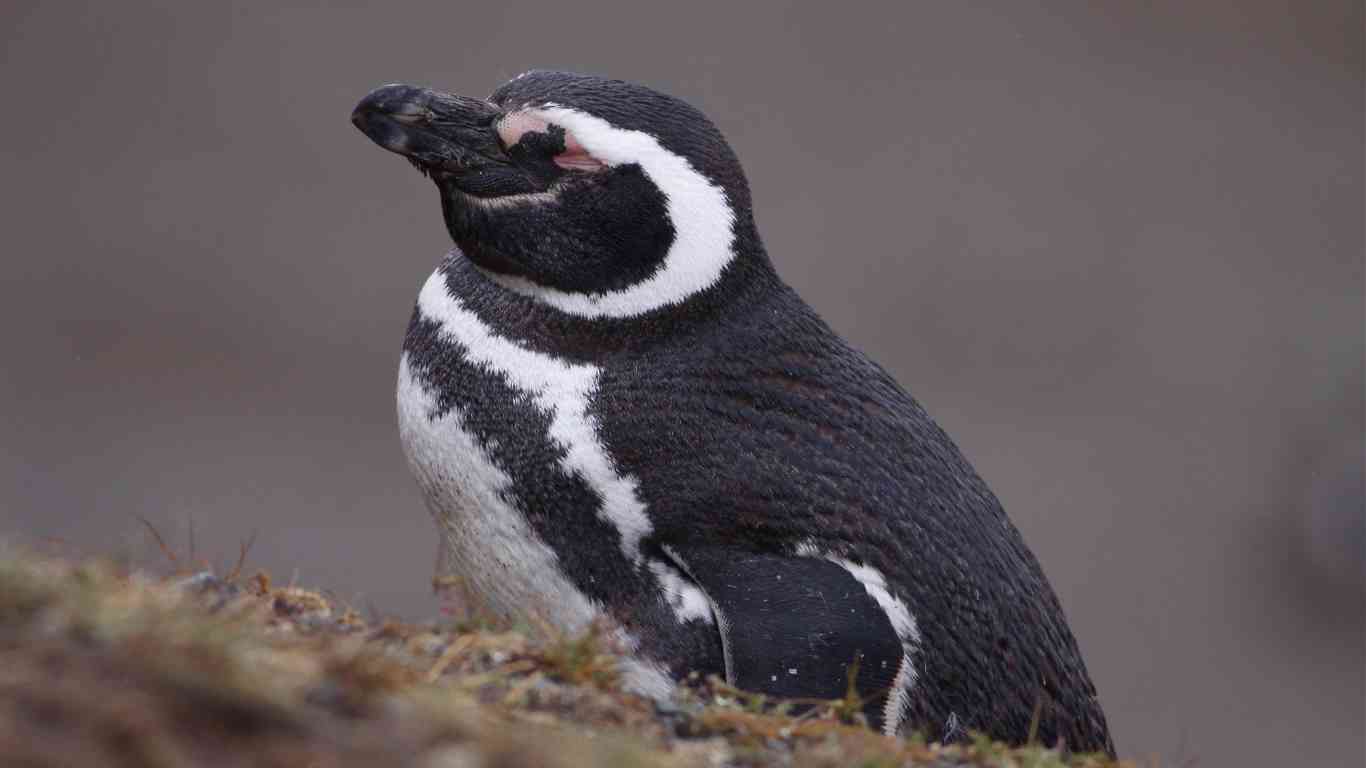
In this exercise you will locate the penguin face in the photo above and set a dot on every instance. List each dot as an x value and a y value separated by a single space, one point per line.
597 196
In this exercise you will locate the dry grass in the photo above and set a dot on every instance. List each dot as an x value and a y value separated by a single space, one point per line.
104 666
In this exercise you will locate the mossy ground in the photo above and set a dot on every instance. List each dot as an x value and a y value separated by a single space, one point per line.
104 665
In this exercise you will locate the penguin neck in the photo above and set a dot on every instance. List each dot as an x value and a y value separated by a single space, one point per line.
747 280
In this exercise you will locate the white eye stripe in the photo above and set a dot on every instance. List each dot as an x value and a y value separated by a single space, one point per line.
703 221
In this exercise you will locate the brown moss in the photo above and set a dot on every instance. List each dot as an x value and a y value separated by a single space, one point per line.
100 665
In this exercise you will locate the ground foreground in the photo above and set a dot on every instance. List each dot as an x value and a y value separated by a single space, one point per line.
104 666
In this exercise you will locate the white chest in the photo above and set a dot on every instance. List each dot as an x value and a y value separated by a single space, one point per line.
487 541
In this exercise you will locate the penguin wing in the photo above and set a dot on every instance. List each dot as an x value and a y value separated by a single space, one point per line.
792 626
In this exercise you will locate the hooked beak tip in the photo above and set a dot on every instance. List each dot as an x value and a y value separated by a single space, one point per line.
436 131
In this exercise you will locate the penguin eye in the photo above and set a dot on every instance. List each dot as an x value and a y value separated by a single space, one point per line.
532 133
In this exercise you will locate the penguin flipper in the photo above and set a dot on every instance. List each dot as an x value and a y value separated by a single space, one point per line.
792 626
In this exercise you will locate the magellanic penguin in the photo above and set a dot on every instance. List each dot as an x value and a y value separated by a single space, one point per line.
618 412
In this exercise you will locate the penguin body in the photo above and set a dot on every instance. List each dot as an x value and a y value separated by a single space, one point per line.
618 412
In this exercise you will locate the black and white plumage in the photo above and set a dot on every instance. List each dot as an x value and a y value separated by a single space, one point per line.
617 411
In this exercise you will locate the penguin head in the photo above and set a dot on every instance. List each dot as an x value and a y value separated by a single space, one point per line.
597 196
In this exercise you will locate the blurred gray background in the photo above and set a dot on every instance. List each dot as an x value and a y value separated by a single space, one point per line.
1116 250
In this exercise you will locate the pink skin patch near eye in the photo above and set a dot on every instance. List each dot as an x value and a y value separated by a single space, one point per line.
512 128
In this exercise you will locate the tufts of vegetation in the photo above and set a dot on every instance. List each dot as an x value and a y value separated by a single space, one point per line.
102 665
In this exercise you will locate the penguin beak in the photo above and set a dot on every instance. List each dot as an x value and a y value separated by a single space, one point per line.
439 133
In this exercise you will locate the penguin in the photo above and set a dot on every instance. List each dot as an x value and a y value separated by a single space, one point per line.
619 414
